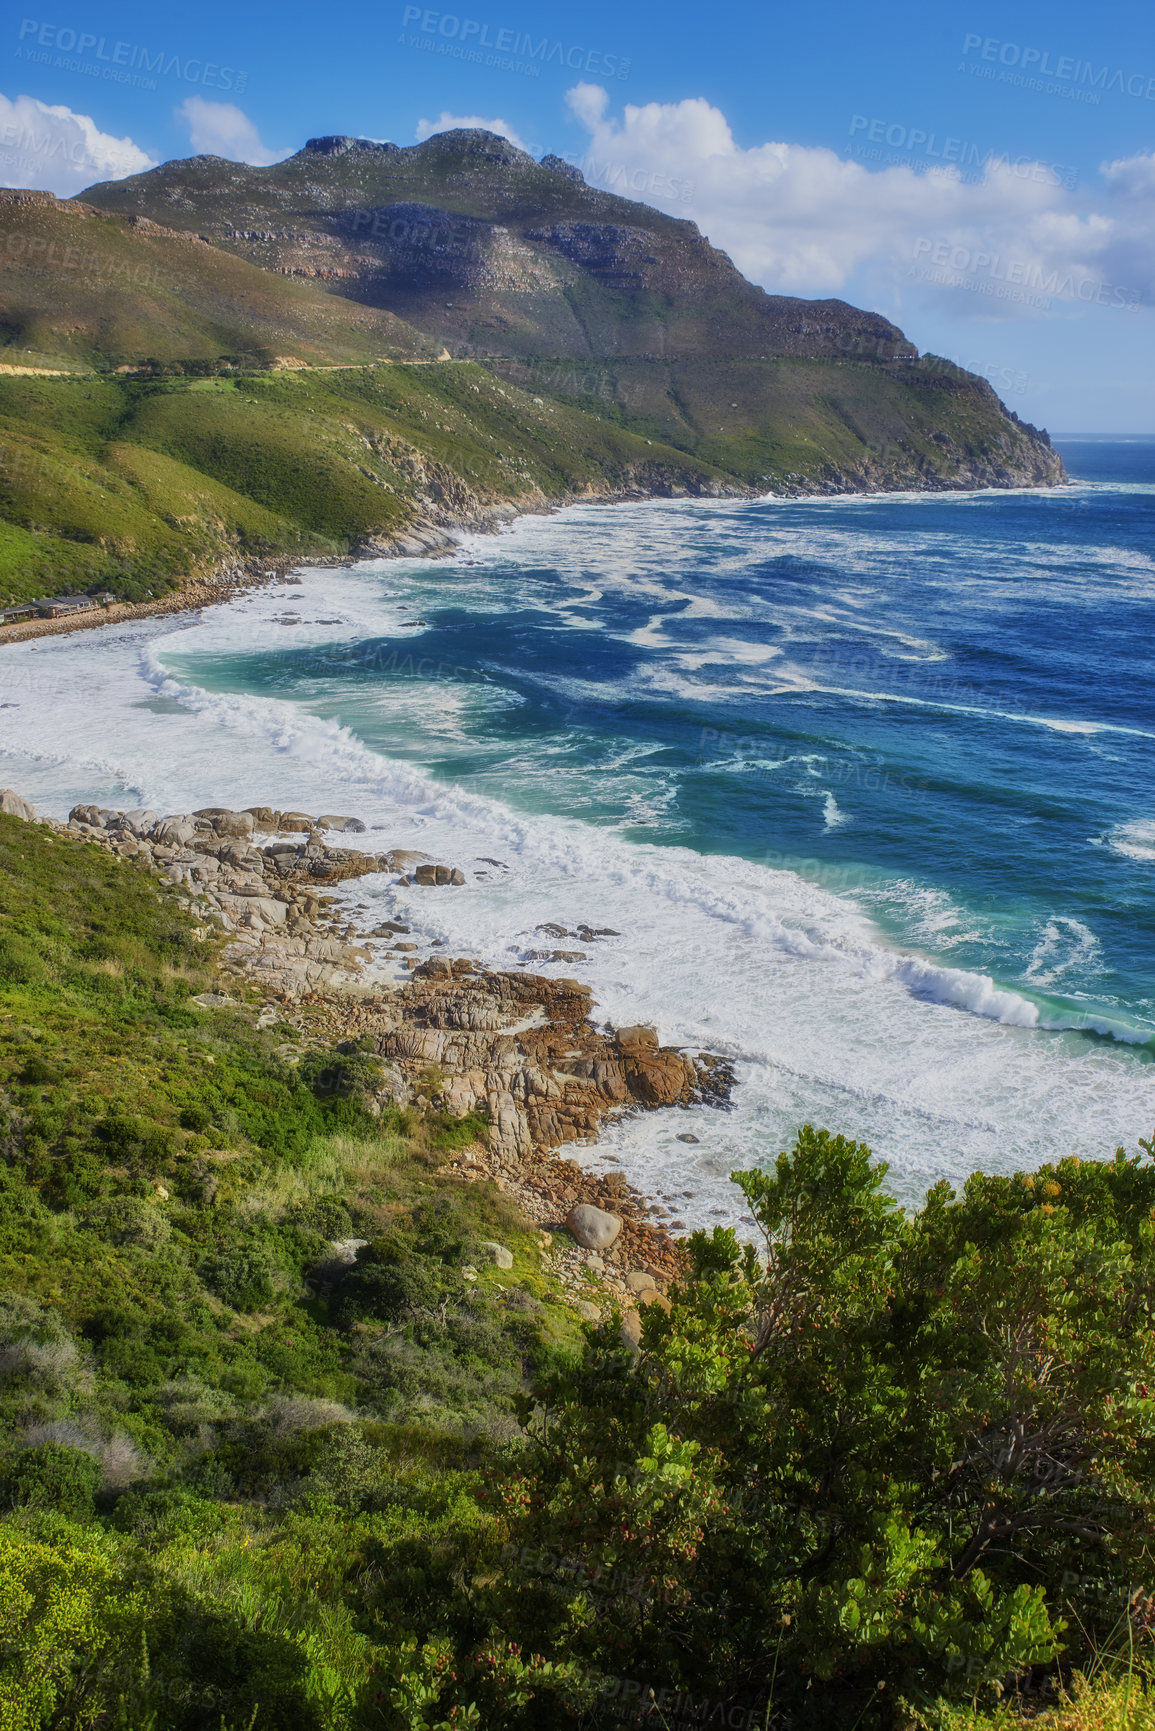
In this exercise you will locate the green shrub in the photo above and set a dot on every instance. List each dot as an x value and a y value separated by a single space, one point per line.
902 1457
240 1278
51 1476
384 1291
127 1220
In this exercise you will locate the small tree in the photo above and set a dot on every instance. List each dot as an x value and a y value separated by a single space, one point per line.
891 1458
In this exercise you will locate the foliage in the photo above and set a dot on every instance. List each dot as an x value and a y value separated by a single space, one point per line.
881 1470
895 1458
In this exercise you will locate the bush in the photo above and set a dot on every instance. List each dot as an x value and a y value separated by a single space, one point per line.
51 1476
127 1220
383 1292
904 1457
241 1278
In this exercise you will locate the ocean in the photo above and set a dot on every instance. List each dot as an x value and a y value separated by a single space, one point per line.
859 791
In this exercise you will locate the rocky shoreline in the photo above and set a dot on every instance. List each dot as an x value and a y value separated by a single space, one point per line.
430 536
423 538
519 1049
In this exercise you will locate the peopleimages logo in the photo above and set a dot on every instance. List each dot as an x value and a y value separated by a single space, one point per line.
951 152
1034 64
1014 278
472 33
124 61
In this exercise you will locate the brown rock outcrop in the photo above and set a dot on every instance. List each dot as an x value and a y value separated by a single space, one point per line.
523 1049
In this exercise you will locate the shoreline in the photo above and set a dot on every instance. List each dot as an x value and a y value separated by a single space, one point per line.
546 1081
428 537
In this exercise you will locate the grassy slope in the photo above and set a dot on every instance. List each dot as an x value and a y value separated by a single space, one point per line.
224 1501
139 485
762 421
81 287
170 1175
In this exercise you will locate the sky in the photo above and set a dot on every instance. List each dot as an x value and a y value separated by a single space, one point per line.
983 175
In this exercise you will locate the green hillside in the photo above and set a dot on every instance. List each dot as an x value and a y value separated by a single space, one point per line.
903 423
139 485
83 288
235 1495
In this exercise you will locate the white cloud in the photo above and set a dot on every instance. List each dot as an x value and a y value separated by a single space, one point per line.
474 122
55 150
223 129
803 220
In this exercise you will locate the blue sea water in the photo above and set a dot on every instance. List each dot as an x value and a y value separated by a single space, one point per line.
863 786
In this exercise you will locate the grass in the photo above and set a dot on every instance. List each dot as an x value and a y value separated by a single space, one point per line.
172 1174
142 485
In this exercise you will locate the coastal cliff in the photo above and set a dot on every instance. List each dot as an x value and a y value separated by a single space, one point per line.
516 1050
211 366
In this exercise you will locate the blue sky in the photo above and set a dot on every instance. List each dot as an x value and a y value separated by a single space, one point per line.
984 175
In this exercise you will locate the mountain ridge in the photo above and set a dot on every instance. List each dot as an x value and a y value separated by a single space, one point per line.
365 341
538 261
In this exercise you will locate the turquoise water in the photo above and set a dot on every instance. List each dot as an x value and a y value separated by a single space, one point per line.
943 704
863 786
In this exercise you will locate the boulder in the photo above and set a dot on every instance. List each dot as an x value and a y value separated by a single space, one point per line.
593 1227
633 1042
264 817
139 822
12 804
294 822
587 1311
234 825
632 1330
658 1078
498 1252
175 831
346 825
403 859
639 1281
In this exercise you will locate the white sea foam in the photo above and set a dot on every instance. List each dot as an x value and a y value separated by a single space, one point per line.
832 816
941 1069
1066 946
1135 840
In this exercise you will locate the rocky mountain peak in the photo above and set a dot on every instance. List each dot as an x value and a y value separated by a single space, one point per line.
559 165
339 144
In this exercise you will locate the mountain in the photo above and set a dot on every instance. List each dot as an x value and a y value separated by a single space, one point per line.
82 287
493 253
323 356
617 308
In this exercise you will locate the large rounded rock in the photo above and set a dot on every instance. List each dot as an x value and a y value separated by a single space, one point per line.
593 1227
632 1330
498 1252
233 825
14 806
403 859
344 825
